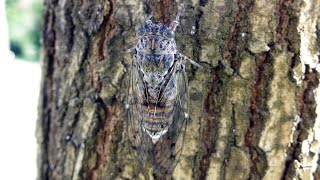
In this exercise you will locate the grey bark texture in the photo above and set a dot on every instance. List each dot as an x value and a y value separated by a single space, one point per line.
253 116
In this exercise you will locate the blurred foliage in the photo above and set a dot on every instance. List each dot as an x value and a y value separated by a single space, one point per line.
24 20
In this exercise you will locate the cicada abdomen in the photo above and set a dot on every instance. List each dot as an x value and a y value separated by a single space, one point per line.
158 96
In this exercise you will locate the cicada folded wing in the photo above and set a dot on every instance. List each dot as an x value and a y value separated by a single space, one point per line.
137 138
167 151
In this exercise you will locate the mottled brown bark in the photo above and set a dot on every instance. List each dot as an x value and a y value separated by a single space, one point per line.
253 116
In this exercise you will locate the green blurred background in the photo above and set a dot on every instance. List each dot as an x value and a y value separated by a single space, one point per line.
24 21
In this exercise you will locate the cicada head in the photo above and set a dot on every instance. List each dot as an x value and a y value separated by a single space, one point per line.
156 29
155 38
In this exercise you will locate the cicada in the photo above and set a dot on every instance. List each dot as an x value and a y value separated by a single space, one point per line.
158 96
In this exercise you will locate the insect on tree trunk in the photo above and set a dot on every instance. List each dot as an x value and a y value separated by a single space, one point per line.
253 116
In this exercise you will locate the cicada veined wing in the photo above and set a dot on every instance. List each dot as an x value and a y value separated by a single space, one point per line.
136 136
170 111
168 149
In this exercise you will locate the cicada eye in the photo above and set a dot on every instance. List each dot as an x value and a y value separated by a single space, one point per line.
168 33
140 31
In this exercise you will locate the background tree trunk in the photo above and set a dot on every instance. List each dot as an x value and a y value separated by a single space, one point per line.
252 117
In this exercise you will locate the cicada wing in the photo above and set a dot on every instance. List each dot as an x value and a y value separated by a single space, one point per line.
133 128
138 140
167 151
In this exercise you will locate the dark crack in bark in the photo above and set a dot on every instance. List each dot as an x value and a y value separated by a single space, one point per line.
307 111
210 130
164 8
46 102
101 142
258 115
107 29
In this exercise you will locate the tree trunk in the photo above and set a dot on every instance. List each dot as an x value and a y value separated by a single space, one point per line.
253 116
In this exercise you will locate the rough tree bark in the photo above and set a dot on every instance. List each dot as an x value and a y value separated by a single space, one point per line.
252 117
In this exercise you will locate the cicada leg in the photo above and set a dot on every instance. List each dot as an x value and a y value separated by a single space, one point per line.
185 58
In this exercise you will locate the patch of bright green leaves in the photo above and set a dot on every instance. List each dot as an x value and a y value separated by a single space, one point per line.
24 21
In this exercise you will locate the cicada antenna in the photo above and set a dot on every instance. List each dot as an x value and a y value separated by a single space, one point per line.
181 10
174 24
149 18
